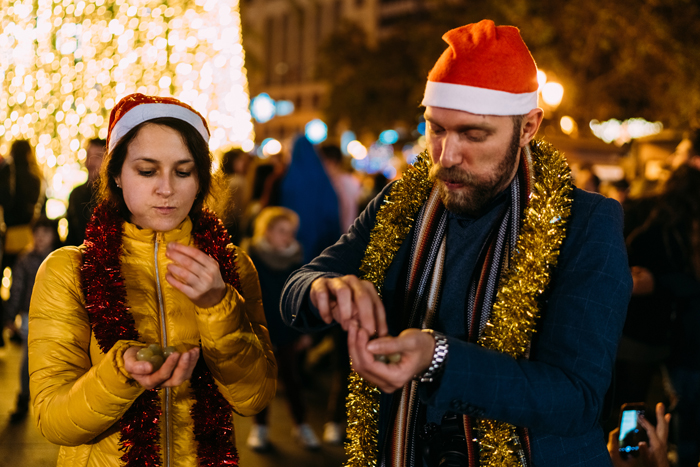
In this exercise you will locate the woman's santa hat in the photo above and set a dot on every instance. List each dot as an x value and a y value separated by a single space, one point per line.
486 70
135 109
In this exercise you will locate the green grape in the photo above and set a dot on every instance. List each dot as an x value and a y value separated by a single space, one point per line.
156 361
144 354
168 351
155 348
381 358
394 357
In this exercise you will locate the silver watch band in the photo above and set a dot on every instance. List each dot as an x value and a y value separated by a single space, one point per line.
439 357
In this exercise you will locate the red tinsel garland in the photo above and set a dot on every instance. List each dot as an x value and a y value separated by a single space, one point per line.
105 297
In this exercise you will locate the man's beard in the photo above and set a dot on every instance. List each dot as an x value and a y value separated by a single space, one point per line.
476 193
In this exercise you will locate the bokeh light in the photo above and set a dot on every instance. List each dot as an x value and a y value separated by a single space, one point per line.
316 131
263 108
388 136
357 150
65 63
567 124
271 147
552 93
346 138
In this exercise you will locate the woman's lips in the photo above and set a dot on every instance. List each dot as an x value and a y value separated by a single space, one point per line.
164 209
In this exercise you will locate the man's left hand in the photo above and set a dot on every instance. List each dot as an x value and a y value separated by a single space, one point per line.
416 349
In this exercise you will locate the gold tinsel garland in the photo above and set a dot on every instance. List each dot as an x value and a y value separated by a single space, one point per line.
393 223
515 312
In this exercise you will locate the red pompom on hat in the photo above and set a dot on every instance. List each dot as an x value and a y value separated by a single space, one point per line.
135 109
487 70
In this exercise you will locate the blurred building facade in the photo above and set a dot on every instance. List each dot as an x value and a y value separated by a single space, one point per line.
282 38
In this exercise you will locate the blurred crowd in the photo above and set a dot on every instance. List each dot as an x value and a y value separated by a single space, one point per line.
285 209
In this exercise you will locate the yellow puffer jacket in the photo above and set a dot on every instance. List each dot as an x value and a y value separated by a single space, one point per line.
78 392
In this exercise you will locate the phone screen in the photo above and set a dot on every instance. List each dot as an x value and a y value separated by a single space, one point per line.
629 431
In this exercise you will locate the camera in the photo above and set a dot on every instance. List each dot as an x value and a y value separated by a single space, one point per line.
631 433
445 445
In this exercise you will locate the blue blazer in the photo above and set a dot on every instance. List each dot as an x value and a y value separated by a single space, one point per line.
558 392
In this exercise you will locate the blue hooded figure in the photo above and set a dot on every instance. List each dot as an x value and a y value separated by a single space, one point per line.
307 190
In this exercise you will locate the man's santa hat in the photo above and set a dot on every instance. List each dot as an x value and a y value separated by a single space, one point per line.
135 109
487 70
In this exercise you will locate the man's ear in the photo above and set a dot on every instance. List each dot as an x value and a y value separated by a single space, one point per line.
531 123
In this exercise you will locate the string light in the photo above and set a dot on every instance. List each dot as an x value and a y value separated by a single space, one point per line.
65 63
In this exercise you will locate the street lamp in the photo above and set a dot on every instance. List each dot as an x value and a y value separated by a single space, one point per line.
552 93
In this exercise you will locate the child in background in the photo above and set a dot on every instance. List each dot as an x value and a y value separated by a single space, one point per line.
276 254
45 235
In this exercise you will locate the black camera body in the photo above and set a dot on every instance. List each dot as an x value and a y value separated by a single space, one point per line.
445 445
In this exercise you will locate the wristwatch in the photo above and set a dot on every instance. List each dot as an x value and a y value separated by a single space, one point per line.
439 357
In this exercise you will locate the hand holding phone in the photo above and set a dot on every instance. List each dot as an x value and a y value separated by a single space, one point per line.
651 453
631 431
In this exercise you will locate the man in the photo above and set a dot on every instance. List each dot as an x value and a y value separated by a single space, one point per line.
79 207
471 237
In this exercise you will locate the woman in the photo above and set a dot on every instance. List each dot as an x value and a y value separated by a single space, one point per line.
155 268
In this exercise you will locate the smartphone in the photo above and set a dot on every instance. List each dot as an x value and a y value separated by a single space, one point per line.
631 432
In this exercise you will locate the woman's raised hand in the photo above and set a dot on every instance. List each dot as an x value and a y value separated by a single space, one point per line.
195 274
176 369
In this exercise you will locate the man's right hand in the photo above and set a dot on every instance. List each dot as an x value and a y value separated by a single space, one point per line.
348 299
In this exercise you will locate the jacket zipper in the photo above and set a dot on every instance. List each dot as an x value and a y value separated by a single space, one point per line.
164 339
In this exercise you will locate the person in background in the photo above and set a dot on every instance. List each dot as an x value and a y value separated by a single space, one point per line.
266 190
22 198
346 186
276 254
688 150
651 454
234 165
307 190
586 179
5 197
45 236
664 254
81 199
156 270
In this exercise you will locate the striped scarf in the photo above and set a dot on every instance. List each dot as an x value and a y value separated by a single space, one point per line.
422 298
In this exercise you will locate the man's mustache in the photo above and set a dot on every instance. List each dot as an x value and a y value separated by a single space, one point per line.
452 175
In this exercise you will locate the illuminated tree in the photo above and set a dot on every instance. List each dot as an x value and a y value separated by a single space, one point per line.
65 63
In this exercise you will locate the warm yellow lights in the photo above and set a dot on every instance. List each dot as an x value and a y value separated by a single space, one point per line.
65 63
272 147
567 124
552 93
357 150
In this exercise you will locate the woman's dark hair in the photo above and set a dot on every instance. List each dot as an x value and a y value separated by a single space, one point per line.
114 161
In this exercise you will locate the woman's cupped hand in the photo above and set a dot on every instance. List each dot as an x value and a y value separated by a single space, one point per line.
176 369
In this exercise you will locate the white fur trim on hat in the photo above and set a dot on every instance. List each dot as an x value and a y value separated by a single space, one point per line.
144 112
480 101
